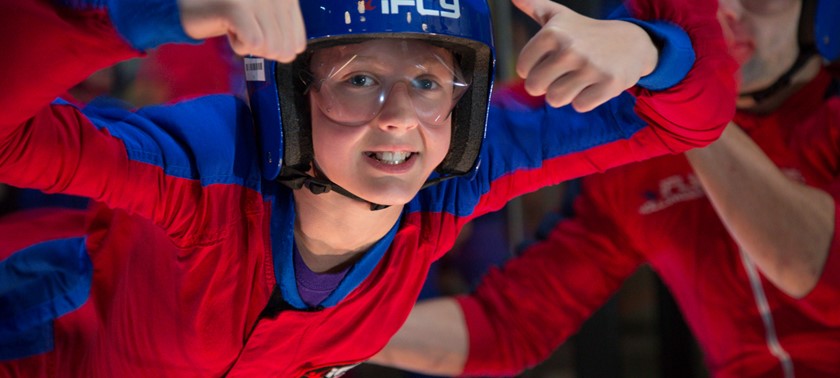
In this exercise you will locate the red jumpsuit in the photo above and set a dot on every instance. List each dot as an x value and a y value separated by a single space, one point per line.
656 213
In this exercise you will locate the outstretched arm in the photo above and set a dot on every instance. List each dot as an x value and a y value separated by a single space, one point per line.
433 340
51 46
685 102
784 226
143 161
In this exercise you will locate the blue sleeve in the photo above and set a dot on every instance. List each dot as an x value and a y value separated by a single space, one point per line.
37 285
144 24
676 54
210 138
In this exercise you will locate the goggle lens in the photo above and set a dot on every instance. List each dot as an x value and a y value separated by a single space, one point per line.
353 83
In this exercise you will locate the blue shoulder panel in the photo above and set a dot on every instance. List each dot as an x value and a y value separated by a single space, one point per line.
211 138
144 24
520 137
37 285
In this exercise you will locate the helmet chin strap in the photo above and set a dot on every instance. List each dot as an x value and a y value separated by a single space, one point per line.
783 82
296 178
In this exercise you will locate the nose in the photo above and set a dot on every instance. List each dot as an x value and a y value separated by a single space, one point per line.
731 17
398 111
730 10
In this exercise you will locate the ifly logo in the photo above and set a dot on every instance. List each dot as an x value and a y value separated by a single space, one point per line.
444 8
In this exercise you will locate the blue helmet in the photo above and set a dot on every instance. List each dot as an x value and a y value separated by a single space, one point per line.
462 26
827 29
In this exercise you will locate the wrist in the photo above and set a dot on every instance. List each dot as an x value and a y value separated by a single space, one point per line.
674 50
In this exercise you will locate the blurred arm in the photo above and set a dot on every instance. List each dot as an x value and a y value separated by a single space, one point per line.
785 227
433 340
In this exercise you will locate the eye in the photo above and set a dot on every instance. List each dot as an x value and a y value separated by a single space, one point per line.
425 83
361 80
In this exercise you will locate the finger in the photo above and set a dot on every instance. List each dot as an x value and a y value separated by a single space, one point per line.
544 43
274 46
288 32
298 28
539 10
566 89
593 96
553 66
246 37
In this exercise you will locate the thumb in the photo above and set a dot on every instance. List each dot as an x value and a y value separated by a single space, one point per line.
539 10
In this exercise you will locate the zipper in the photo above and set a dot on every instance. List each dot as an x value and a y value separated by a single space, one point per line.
771 337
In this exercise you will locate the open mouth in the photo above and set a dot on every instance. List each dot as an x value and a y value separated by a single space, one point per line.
391 157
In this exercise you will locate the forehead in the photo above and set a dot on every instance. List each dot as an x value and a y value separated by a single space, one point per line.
384 51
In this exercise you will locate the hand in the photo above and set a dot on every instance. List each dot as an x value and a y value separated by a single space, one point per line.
272 29
579 60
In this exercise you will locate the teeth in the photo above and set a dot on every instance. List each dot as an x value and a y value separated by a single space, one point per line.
389 157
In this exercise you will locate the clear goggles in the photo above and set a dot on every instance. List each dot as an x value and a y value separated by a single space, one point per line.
352 83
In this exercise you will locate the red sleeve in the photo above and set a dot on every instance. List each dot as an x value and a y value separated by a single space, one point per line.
694 112
524 311
53 147
48 50
52 48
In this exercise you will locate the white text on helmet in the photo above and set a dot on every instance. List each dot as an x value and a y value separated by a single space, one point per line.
449 9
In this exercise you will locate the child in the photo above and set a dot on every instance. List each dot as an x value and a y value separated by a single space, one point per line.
743 232
206 256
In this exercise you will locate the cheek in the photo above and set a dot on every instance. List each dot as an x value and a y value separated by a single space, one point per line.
329 142
440 138
778 34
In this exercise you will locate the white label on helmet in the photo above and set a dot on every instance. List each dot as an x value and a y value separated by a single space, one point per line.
254 69
447 8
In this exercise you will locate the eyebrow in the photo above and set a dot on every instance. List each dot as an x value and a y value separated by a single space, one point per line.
427 62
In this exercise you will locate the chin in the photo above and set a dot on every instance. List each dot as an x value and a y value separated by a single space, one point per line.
390 199
392 195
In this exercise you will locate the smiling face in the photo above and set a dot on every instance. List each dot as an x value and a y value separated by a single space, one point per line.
762 37
380 115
